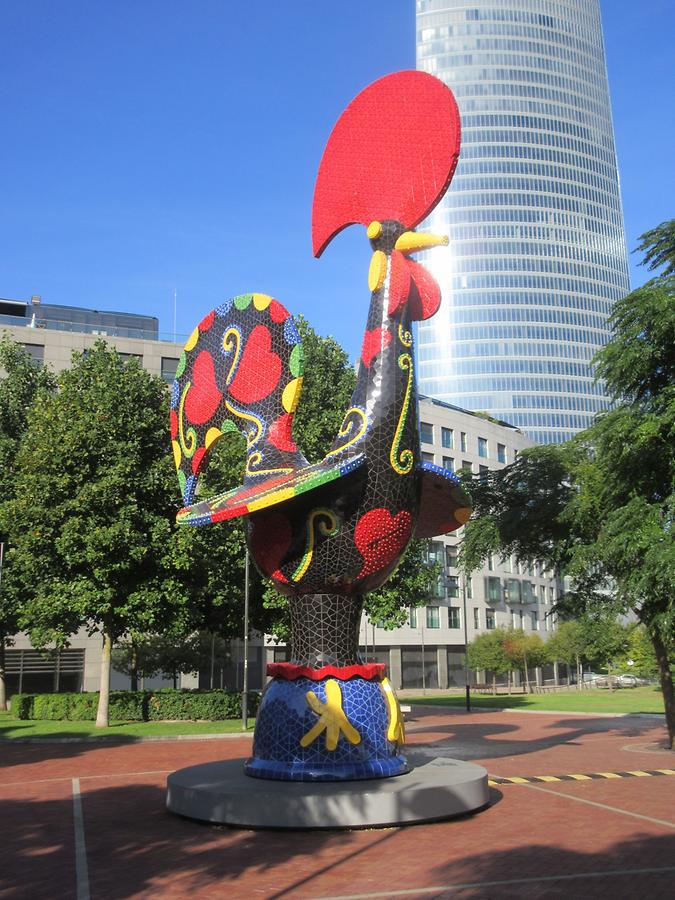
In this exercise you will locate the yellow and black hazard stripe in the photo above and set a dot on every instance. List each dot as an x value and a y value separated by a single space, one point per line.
496 780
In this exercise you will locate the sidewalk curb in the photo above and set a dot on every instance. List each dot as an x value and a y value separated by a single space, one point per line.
541 712
130 739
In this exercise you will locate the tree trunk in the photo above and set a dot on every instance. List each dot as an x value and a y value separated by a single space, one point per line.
609 677
3 683
579 675
494 684
104 688
134 667
666 677
528 686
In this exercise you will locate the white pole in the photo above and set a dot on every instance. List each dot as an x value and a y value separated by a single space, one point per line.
244 698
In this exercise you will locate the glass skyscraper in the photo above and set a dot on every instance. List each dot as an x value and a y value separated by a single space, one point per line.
537 250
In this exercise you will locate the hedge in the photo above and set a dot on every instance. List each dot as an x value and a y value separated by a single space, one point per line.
135 706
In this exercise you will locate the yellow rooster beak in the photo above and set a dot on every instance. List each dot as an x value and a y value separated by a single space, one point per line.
414 241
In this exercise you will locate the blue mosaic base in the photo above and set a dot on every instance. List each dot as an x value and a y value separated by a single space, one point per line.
285 717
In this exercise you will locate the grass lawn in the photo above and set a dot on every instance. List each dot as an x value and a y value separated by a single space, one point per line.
11 728
625 700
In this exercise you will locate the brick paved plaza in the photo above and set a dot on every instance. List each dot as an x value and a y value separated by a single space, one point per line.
83 819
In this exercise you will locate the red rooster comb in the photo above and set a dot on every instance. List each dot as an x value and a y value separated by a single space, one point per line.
391 155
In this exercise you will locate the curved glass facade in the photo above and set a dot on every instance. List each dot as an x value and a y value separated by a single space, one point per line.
537 250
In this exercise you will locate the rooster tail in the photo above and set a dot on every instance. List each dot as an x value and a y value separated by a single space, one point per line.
241 370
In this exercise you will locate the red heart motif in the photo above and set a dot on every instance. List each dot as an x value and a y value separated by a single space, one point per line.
374 342
173 422
203 397
380 538
281 433
259 370
270 540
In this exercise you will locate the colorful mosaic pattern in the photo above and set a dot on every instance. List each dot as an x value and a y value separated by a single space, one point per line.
326 534
293 743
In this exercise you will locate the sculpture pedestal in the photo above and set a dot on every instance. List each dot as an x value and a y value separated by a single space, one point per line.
432 789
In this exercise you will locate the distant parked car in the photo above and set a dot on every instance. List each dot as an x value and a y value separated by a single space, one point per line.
628 681
591 676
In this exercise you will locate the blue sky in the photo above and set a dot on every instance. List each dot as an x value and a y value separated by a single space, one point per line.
153 145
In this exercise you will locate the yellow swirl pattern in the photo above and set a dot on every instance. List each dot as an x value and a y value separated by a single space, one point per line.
255 459
188 449
360 422
405 336
228 346
403 461
327 529
248 417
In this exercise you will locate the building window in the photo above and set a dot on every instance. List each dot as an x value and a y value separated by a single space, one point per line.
126 357
433 617
528 592
513 585
490 619
482 447
551 595
490 563
476 618
535 621
469 587
542 591
36 353
452 583
451 557
453 617
169 366
466 464
427 457
483 473
494 589
448 438
413 617
462 441
426 433
501 453
435 553
449 463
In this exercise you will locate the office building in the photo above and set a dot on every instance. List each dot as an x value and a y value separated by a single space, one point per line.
537 250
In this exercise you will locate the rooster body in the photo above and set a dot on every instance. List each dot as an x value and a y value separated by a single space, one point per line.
328 533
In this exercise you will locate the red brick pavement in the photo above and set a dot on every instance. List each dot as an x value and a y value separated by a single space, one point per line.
519 847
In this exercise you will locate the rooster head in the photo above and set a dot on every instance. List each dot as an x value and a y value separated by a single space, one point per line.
387 164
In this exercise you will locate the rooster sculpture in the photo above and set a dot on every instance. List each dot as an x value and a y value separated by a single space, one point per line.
328 533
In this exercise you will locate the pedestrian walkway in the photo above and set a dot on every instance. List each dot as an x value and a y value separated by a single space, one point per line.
83 820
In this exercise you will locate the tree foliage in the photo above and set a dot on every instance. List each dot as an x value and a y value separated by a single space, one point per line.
601 508
22 382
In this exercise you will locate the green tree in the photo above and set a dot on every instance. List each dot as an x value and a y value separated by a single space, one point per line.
601 508
568 644
487 652
524 651
408 586
606 639
22 382
90 525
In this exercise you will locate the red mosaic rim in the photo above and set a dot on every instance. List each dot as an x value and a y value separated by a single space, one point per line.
289 671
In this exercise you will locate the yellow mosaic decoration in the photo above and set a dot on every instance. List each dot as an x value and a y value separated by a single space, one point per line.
396 728
332 719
